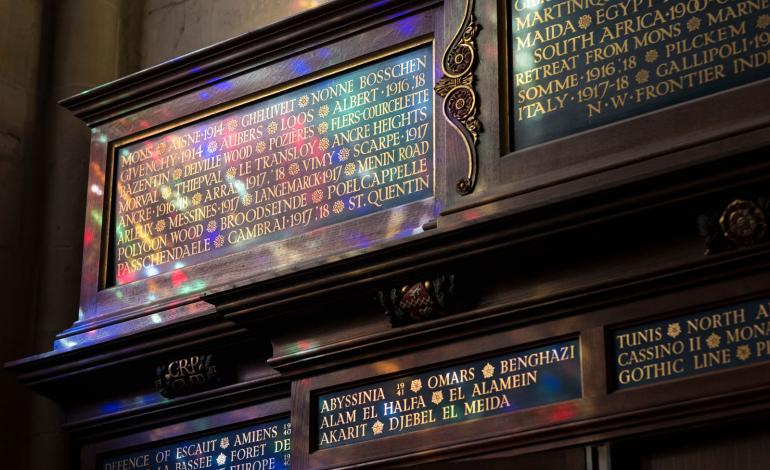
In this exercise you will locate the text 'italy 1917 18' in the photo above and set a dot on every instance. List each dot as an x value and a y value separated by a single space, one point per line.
579 64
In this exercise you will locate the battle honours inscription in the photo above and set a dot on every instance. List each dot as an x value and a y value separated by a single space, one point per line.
336 149
692 344
265 446
579 64
502 384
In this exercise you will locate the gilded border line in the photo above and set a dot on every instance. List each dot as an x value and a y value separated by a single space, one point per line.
200 116
460 99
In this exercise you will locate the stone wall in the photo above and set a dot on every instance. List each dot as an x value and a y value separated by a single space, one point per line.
51 49
21 39
175 27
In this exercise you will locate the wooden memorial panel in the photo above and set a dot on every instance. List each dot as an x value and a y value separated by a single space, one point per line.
331 150
264 446
502 384
295 157
254 437
410 407
692 344
594 95
578 65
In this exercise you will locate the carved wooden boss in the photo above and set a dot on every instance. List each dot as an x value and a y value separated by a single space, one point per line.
392 232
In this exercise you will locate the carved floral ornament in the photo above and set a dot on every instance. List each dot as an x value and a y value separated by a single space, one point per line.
460 99
427 300
741 223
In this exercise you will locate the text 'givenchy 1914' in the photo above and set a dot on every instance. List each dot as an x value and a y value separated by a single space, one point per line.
339 148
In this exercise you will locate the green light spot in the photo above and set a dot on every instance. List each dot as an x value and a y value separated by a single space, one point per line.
97 216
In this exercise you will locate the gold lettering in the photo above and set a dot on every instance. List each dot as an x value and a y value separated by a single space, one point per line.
320 154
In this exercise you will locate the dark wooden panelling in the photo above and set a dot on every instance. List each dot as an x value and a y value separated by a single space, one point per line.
563 459
739 446
571 238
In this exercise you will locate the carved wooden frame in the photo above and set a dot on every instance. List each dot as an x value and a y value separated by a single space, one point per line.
360 31
602 413
592 179
653 144
457 89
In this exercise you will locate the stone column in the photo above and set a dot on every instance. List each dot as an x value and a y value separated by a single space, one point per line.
21 28
92 44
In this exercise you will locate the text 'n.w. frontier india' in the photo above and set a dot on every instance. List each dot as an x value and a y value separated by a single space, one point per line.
579 64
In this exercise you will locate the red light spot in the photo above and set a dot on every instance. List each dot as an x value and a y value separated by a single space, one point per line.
126 278
562 412
88 237
304 345
178 278
472 215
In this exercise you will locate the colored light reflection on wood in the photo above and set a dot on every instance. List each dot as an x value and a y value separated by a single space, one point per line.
340 148
502 384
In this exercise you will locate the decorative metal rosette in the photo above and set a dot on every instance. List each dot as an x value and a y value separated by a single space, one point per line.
461 102
465 186
743 223
462 55
460 59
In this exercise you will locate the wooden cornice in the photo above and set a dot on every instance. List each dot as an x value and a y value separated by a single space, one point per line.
234 56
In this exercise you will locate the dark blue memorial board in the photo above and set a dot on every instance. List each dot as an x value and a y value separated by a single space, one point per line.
265 446
692 344
488 387
581 64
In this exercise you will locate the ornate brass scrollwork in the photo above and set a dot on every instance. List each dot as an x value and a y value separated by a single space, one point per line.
456 87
